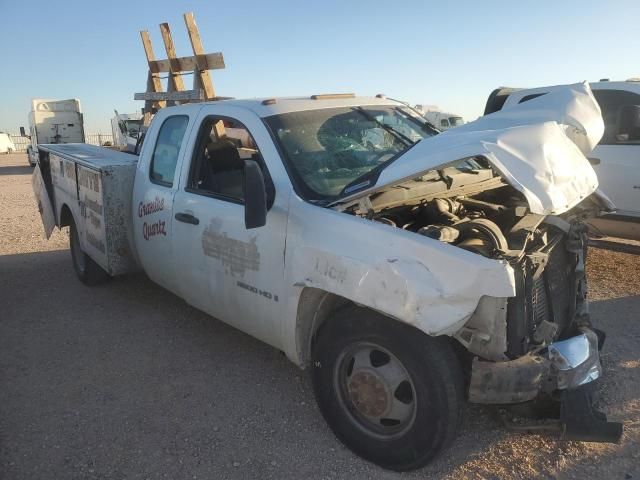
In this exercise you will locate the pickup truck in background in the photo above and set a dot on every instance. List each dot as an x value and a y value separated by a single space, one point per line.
53 121
410 274
616 157
126 129
442 120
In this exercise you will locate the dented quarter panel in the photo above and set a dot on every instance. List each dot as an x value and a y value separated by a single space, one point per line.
414 279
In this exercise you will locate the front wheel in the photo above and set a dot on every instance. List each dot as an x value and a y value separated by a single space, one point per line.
389 392
87 270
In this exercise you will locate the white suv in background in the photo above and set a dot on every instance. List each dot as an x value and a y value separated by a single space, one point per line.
616 159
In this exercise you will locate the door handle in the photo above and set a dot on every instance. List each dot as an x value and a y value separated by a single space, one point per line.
187 218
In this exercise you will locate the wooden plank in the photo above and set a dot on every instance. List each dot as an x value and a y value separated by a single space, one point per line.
175 80
211 61
202 75
153 79
148 47
175 96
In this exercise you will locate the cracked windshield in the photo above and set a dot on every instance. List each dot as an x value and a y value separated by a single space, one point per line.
335 151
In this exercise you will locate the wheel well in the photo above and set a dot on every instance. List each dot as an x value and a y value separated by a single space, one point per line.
314 308
66 217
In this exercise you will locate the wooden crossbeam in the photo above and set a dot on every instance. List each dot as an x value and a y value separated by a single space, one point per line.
209 61
177 96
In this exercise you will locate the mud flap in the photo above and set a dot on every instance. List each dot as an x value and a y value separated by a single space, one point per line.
582 422
44 203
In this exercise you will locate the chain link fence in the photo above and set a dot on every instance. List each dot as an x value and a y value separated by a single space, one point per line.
21 143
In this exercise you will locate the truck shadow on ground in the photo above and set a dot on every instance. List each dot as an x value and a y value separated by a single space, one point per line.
16 170
126 380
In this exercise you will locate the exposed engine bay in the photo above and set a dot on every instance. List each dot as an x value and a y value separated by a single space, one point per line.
468 205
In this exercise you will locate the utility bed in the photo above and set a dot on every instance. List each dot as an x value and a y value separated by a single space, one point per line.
96 186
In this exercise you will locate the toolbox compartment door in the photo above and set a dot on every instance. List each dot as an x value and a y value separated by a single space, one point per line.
44 203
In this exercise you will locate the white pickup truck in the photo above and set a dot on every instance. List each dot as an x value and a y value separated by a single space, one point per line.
410 276
617 155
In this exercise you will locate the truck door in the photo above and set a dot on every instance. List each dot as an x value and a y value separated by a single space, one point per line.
156 184
232 273
619 153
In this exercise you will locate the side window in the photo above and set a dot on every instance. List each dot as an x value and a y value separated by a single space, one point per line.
165 153
612 103
217 165
444 122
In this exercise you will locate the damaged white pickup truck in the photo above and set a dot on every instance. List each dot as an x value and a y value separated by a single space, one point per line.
410 269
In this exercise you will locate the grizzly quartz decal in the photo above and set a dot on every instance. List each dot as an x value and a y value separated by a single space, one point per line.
235 255
156 228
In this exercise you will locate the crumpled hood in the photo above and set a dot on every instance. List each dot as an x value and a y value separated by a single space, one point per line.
538 146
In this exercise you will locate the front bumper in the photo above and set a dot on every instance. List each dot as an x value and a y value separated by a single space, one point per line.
563 365
567 367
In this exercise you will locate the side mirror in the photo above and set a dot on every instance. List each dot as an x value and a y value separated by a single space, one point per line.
255 196
629 122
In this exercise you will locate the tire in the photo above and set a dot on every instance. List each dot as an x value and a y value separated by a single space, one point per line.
87 270
390 393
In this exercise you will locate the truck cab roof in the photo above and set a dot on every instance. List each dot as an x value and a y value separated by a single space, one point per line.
267 106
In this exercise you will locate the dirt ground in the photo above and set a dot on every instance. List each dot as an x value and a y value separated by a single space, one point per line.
127 381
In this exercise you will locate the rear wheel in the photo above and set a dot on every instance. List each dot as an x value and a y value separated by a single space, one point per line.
389 392
87 270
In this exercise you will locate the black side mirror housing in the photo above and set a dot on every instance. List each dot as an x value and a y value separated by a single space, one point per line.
255 196
629 122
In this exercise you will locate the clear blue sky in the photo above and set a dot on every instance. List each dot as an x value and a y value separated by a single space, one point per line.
447 53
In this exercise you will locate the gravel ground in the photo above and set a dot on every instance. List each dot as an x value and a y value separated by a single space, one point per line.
127 381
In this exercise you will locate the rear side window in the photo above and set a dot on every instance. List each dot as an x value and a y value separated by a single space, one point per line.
165 153
444 122
611 103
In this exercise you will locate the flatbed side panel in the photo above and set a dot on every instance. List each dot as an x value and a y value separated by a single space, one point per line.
117 194
94 233
44 204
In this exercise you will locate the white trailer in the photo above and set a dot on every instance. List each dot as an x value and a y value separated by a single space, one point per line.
52 122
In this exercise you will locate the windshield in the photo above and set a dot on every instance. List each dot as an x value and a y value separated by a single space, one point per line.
133 126
335 151
456 121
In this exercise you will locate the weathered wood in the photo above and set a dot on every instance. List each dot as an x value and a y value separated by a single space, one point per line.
153 79
175 80
174 96
202 75
211 61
